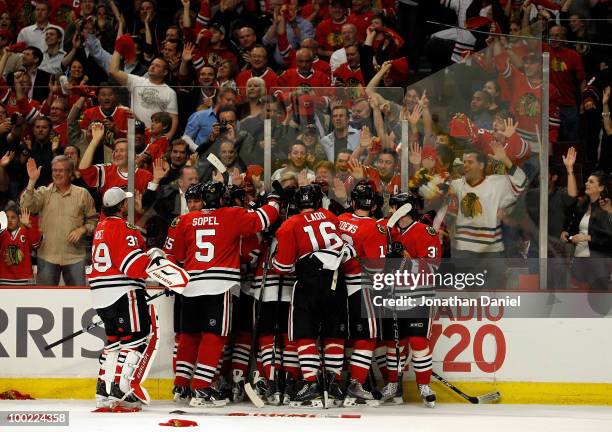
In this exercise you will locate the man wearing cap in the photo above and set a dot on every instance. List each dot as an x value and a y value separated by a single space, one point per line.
66 213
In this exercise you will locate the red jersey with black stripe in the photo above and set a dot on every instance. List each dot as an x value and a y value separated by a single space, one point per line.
207 242
118 262
369 239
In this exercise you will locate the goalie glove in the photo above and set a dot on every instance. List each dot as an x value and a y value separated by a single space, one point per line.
168 274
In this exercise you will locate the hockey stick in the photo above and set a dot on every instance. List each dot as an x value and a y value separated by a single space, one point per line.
248 387
268 414
395 217
486 398
92 326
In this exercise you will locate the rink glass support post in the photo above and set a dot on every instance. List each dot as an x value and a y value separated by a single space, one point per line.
267 153
404 162
131 138
543 234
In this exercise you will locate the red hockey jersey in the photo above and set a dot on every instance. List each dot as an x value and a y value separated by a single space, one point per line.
345 76
118 263
292 78
106 176
120 116
15 255
306 233
423 250
369 239
207 242
329 35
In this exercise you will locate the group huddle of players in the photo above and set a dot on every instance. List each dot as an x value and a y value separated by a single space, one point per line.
279 298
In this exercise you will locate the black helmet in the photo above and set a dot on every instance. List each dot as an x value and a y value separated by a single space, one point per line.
194 191
402 198
234 193
363 196
309 196
212 194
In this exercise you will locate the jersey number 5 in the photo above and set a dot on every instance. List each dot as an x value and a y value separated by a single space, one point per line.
206 250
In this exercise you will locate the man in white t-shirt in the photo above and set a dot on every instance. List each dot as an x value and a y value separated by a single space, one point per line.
148 95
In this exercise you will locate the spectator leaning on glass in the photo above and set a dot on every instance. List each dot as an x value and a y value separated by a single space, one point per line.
66 213
590 230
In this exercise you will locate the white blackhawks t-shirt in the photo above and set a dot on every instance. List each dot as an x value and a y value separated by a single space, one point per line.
148 98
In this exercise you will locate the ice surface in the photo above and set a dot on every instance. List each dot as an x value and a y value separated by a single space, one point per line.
405 418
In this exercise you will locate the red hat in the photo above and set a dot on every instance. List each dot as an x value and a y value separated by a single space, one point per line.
399 70
126 47
179 423
429 152
6 34
253 170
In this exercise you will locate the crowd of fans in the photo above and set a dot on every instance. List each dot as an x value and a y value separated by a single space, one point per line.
338 79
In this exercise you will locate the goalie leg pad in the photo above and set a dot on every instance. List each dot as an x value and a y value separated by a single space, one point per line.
138 361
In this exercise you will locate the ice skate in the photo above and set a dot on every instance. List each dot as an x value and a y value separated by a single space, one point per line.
102 397
308 396
207 397
335 389
392 394
273 394
181 394
356 395
121 401
427 395
238 391
289 390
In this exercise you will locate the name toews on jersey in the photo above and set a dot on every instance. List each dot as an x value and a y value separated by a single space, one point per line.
118 262
369 240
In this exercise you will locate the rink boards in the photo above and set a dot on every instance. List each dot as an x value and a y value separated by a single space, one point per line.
560 359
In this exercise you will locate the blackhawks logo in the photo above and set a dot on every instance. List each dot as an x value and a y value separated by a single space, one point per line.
13 255
470 205
528 105
335 40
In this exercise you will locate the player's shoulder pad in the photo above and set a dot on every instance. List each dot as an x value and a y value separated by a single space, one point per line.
381 229
130 226
175 222
431 231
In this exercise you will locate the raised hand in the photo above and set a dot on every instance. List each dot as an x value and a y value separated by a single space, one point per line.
24 218
186 3
509 127
499 152
339 190
365 138
415 155
138 202
356 169
33 170
570 158
187 54
97 132
606 96
414 116
303 178
7 158
160 169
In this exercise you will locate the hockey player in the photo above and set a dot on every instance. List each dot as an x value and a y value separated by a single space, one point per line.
193 196
369 240
117 285
418 245
208 244
309 242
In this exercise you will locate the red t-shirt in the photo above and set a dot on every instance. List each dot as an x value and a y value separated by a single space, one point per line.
566 73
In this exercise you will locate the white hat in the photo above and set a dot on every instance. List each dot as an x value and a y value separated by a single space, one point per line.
114 196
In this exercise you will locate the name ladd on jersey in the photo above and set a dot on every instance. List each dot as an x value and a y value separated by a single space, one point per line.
314 216
205 220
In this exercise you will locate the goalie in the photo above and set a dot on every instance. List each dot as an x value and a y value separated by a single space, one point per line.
117 281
